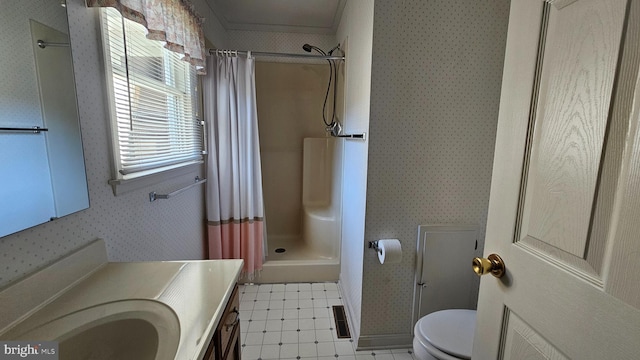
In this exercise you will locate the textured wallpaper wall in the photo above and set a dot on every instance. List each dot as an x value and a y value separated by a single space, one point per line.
133 228
436 76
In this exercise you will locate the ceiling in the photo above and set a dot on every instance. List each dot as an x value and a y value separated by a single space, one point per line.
303 16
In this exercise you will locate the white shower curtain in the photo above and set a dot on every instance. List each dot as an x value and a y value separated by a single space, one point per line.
234 188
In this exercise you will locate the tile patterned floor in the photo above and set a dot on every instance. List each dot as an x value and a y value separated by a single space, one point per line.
295 321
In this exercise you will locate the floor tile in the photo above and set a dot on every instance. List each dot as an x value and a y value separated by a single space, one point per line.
289 337
274 314
306 324
263 296
326 349
384 356
251 352
272 338
344 348
324 335
258 315
304 286
289 351
270 352
295 322
256 326
288 325
254 338
261 305
273 325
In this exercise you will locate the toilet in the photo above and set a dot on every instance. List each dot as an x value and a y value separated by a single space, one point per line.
445 335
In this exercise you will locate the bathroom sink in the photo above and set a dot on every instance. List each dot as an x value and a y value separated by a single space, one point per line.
128 329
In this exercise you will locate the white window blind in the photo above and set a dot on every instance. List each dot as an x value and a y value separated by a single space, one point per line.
152 100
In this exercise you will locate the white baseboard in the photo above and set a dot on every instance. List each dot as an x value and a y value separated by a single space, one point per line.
388 341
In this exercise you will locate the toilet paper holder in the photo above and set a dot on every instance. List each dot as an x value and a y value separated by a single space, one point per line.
374 245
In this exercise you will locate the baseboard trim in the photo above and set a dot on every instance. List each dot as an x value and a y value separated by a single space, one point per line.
389 341
354 325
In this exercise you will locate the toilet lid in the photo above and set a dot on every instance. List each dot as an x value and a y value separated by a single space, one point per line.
451 331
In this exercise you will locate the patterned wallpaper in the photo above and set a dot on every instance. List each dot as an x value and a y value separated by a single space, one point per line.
434 99
21 100
133 228
436 77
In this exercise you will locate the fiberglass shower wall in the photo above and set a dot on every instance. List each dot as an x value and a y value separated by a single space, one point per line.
290 99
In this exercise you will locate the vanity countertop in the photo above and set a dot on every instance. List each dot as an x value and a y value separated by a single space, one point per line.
196 291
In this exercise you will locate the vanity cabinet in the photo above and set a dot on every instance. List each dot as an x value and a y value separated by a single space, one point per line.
225 344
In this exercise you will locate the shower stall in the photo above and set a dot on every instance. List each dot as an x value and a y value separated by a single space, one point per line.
313 254
301 170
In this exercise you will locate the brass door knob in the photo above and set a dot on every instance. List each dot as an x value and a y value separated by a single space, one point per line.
492 264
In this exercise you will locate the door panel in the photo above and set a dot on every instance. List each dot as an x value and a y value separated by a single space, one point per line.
578 67
523 342
566 186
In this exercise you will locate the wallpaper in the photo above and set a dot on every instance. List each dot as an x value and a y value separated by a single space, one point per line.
132 227
436 77
435 86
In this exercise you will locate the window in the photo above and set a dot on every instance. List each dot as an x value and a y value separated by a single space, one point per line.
153 101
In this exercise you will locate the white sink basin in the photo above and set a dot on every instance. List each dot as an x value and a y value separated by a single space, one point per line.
128 329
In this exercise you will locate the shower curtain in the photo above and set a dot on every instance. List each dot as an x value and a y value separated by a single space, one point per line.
235 209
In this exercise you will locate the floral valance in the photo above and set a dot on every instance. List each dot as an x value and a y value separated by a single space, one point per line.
172 21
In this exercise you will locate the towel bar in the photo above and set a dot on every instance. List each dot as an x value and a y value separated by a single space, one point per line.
153 196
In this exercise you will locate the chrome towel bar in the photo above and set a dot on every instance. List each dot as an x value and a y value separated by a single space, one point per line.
153 196
43 44
35 129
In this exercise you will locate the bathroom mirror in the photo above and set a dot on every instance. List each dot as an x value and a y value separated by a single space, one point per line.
42 173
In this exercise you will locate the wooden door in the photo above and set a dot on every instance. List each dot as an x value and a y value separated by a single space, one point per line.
564 211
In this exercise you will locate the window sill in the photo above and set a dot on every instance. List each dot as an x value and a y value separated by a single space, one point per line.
123 186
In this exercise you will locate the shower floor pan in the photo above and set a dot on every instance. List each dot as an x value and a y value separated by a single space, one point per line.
298 263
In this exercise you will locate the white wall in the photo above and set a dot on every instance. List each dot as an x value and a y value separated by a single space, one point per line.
436 76
355 32
213 30
133 228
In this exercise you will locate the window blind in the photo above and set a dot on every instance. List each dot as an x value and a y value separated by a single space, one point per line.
153 98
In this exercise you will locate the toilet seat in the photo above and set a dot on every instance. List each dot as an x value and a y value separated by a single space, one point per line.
448 332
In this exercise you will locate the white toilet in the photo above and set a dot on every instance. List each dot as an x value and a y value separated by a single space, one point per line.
445 335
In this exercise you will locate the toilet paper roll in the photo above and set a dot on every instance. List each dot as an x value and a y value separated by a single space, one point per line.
390 251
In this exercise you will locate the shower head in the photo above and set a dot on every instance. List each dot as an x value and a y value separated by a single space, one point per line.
308 48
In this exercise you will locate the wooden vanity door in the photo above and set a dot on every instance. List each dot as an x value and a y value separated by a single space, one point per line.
228 332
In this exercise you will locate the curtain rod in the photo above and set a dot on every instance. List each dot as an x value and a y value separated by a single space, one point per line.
272 54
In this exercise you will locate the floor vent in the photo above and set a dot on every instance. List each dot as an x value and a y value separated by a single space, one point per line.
280 250
341 322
